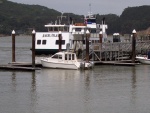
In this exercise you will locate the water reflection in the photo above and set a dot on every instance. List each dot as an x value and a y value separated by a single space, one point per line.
87 96
133 89
33 93
134 84
14 81
105 89
61 74
23 92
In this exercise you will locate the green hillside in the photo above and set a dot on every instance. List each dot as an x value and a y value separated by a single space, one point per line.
23 18
135 17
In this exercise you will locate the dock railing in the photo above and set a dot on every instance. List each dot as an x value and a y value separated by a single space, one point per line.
117 49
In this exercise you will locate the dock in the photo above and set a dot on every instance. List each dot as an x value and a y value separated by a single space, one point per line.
117 63
21 66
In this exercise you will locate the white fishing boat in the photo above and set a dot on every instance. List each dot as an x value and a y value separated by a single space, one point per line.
143 59
65 60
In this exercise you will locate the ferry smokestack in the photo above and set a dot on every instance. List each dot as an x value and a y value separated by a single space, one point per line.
103 20
70 20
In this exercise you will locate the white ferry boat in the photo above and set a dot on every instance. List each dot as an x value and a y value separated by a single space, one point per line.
72 35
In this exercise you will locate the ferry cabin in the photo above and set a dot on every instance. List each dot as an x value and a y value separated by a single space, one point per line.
48 42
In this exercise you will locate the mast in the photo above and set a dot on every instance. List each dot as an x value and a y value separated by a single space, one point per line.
60 17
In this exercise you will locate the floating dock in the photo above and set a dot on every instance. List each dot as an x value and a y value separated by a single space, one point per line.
117 63
21 66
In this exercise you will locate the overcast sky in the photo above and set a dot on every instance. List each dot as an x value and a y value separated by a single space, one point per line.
82 7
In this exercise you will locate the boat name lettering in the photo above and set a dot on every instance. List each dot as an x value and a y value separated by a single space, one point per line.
50 35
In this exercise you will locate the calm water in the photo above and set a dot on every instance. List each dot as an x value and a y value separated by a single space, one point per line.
105 89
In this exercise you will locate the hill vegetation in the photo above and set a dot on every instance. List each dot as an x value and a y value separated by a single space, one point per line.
23 18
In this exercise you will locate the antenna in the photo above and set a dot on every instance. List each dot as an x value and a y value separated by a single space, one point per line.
60 18
90 7
90 13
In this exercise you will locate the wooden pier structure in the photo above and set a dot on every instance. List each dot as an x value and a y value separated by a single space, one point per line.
117 51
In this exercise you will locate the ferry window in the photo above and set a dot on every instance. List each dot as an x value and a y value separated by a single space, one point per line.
50 29
83 41
77 29
91 20
93 31
65 28
62 42
38 42
55 28
61 29
44 42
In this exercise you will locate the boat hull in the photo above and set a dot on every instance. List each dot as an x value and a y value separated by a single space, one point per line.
143 60
58 65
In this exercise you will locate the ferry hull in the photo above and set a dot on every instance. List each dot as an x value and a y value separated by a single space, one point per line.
46 51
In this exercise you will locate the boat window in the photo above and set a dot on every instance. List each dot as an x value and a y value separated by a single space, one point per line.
38 42
55 56
59 56
72 56
43 42
69 56
62 42
65 56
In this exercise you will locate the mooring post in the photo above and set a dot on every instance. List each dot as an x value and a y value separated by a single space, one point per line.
33 48
100 37
60 40
13 46
133 45
100 41
87 45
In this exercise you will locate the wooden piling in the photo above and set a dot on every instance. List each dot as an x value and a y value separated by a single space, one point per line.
13 46
133 45
33 48
100 41
87 45
60 40
100 37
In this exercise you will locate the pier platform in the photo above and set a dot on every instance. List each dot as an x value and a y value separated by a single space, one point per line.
120 63
21 66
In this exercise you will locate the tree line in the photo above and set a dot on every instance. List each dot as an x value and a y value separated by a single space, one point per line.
23 18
